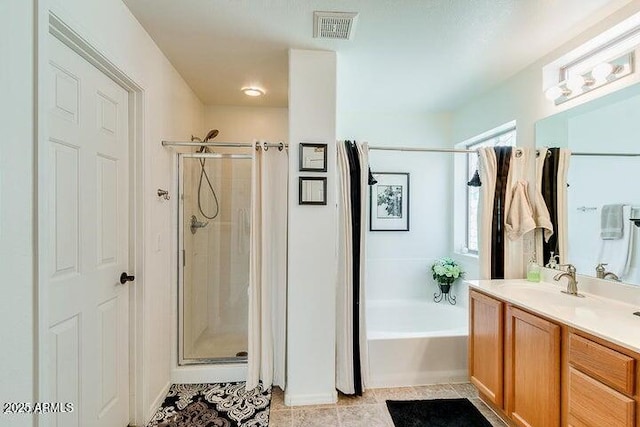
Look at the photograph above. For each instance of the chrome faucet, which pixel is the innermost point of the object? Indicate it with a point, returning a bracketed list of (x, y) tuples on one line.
[(601, 273), (572, 282)]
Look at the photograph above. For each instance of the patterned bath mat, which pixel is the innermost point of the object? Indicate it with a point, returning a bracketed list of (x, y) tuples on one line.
[(213, 405)]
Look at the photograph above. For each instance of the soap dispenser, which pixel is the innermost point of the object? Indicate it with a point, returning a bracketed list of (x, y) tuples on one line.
[(533, 270)]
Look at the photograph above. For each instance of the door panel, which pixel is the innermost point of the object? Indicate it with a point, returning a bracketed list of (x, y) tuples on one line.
[(66, 375), (64, 197), (88, 241), (532, 364)]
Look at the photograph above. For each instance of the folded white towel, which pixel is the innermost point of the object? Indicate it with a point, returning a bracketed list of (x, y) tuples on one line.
[(611, 224)]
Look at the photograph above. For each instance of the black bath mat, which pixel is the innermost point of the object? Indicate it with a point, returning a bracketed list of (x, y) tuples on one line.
[(214, 405), (436, 413)]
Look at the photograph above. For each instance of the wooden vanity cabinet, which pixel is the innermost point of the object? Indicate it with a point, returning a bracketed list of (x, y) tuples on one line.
[(538, 373), (486, 340)]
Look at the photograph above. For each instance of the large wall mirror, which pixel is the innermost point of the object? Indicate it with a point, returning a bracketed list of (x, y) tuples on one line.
[(604, 173)]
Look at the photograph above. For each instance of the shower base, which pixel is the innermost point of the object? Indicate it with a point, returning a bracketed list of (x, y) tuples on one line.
[(217, 346)]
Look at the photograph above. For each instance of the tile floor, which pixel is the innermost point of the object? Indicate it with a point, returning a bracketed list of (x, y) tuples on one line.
[(370, 409)]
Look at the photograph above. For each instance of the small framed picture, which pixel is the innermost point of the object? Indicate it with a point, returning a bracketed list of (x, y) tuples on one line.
[(312, 190), (313, 157), (389, 202)]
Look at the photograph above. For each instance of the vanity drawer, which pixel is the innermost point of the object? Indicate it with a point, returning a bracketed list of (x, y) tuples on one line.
[(615, 369), (592, 404)]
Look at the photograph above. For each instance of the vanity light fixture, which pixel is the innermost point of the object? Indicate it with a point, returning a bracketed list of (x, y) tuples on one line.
[(577, 83), (602, 74), (555, 92), (252, 91)]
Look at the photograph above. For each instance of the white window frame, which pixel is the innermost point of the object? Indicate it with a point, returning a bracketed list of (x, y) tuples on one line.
[(462, 190)]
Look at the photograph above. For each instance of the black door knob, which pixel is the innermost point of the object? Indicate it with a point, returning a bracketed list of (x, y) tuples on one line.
[(124, 278)]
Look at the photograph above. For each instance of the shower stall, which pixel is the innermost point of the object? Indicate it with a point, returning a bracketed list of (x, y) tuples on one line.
[(214, 230)]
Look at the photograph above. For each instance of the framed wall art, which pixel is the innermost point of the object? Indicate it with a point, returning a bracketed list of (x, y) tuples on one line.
[(313, 157), (312, 190), (389, 202)]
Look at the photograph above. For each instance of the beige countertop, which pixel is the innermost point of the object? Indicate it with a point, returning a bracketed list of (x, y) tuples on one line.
[(606, 318)]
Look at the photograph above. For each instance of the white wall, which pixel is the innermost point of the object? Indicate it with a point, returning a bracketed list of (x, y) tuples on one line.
[(171, 111), (521, 97), (16, 206), (244, 124), (312, 235), (398, 263)]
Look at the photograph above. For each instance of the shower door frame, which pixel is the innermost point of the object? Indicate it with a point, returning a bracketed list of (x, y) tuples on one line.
[(181, 260)]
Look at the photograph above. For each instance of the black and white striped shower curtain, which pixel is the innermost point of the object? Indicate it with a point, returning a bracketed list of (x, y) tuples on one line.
[(351, 340), (551, 176), (494, 165)]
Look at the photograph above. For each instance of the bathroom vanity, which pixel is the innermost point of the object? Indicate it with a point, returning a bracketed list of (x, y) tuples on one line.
[(542, 358)]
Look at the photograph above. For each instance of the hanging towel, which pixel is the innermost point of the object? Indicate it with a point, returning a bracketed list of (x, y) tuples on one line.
[(616, 253), (540, 210), (519, 219), (611, 224)]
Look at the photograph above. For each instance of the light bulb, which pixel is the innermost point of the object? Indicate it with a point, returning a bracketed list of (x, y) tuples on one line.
[(602, 71), (575, 83), (252, 91), (554, 92)]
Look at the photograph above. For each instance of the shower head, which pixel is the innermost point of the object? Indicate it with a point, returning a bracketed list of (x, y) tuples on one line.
[(212, 134)]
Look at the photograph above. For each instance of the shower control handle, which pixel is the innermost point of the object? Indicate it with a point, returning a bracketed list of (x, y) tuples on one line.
[(124, 278)]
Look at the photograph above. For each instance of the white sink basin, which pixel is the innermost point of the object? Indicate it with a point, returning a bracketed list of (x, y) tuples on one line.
[(551, 293)]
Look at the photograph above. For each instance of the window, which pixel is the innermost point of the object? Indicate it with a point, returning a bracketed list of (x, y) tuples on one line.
[(497, 137)]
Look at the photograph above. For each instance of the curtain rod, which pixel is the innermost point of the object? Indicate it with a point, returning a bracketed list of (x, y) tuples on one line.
[(608, 154), (518, 150), (266, 145), (433, 150)]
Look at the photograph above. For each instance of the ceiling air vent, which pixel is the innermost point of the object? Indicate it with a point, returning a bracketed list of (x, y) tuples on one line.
[(334, 25)]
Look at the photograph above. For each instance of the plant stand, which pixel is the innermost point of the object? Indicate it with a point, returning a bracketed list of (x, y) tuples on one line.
[(444, 294)]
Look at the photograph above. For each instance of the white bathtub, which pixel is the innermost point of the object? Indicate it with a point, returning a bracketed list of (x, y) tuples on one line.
[(416, 342)]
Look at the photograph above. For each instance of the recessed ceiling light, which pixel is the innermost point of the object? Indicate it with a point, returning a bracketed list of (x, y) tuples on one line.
[(252, 91)]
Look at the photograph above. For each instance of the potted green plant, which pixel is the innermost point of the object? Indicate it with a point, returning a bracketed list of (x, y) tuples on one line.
[(446, 271)]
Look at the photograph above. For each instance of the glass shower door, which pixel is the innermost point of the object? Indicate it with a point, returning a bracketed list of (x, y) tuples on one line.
[(214, 238)]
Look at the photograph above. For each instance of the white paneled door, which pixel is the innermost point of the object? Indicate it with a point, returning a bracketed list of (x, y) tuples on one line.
[(88, 243)]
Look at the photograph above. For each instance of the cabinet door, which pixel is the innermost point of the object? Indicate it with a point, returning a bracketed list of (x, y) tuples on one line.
[(532, 369), (486, 337)]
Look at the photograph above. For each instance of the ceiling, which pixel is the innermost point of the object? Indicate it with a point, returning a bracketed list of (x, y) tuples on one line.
[(406, 55)]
